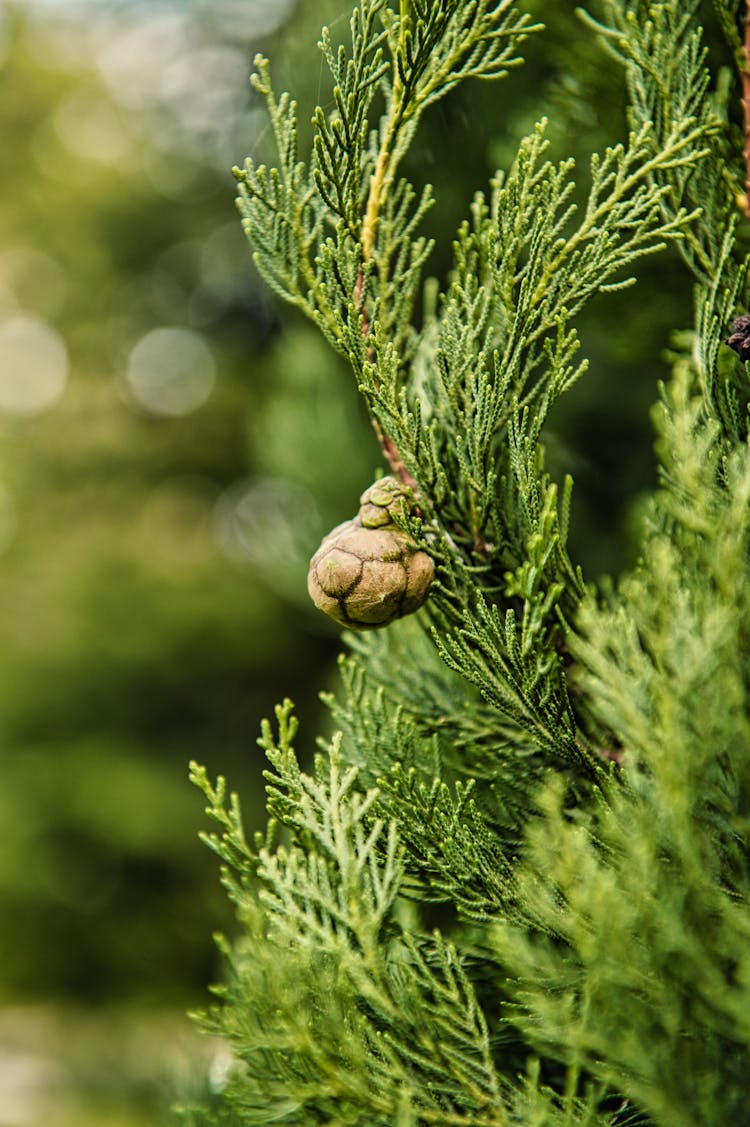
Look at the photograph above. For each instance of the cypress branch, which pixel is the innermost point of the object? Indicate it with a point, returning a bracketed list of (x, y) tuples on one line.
[(557, 775)]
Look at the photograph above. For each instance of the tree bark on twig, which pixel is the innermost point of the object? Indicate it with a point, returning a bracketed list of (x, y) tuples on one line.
[(745, 76)]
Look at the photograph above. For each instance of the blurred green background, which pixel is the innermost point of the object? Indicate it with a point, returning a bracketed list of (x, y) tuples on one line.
[(174, 444)]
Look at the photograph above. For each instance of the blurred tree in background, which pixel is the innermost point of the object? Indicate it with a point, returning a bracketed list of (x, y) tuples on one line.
[(140, 626), (173, 447)]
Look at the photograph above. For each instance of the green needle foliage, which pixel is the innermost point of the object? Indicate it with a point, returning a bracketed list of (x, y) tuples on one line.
[(513, 888)]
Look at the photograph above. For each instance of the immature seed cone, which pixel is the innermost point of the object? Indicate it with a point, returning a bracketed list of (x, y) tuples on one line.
[(739, 338), (367, 572)]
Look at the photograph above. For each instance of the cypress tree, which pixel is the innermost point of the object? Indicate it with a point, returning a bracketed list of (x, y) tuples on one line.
[(513, 886)]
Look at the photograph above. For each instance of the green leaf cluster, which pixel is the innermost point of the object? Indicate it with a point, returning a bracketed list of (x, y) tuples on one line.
[(514, 886)]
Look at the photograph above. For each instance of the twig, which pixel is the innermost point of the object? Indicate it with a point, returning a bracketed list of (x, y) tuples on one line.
[(387, 445), (381, 177), (745, 76)]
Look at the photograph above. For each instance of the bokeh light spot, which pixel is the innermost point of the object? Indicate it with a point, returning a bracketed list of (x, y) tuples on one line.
[(33, 366), (171, 371), (92, 129), (35, 281), (259, 521)]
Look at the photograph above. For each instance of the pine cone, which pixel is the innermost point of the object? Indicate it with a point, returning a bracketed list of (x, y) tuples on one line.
[(367, 572), (739, 339)]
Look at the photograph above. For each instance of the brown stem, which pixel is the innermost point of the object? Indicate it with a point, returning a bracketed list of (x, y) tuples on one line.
[(745, 76), (387, 445), (372, 213), (381, 176)]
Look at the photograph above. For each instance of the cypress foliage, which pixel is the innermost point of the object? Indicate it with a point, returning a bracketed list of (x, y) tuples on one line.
[(559, 776)]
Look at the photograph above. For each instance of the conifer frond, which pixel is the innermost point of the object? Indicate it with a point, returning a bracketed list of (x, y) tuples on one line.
[(230, 845), (722, 377), (727, 16), (525, 687), (438, 45), (456, 856), (562, 779), (342, 137), (344, 204), (369, 1023), (504, 338), (661, 49), (397, 675), (504, 347), (652, 902), (454, 780)]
